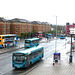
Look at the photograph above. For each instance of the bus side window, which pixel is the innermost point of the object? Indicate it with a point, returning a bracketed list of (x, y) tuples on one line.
[(0, 40), (0, 36), (30, 56)]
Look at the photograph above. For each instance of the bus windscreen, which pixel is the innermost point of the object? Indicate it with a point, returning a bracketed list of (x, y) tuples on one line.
[(27, 41), (18, 58)]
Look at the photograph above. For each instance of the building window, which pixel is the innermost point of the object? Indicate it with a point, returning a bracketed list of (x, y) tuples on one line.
[(16, 27), (22, 27), (26, 30), (22, 31), (8, 31), (16, 22), (34, 27), (4, 26), (15, 31), (4, 31), (26, 26), (8, 27)]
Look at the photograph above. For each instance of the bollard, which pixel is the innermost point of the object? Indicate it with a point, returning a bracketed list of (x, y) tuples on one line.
[(69, 59), (53, 63)]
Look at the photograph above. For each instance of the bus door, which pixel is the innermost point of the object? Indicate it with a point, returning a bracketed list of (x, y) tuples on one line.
[(27, 43), (27, 60), (33, 43), (0, 41)]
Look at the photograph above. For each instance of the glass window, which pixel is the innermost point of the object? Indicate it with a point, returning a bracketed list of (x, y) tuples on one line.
[(0, 40), (8, 27), (0, 36), (27, 41), (15, 31), (16, 22), (16, 27)]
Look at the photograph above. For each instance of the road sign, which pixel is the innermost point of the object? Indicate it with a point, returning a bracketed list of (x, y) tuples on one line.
[(57, 56), (71, 30)]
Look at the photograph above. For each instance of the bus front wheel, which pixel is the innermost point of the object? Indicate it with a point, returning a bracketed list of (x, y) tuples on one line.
[(30, 63)]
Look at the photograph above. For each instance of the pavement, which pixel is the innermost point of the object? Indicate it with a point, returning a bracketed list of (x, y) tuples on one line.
[(62, 67), (20, 45)]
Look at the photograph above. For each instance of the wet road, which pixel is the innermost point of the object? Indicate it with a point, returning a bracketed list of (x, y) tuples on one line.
[(49, 48)]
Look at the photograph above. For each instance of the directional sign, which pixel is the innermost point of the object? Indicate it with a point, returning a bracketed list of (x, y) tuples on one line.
[(71, 30)]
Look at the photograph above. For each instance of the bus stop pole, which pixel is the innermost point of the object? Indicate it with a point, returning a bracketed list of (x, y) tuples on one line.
[(71, 50)]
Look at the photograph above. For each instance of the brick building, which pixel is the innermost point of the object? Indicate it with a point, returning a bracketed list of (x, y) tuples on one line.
[(4, 26), (41, 26), (18, 26)]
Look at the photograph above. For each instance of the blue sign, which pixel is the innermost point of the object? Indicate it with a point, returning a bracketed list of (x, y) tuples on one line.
[(57, 56)]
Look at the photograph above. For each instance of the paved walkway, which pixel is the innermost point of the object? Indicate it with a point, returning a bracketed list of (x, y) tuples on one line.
[(60, 68)]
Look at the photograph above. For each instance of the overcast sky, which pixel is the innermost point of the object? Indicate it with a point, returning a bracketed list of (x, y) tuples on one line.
[(39, 10)]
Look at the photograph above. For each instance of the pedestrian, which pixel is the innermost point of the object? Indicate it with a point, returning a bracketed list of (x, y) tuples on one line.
[(47, 38), (7, 44)]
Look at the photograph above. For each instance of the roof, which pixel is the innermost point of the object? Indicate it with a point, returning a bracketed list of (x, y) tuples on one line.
[(19, 20), (9, 35), (2, 19), (33, 39), (46, 23), (49, 33), (36, 22), (29, 50)]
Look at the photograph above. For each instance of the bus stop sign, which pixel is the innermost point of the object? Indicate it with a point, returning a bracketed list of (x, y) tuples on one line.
[(57, 56)]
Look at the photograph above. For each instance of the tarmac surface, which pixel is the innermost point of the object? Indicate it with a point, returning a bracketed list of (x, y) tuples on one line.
[(62, 67)]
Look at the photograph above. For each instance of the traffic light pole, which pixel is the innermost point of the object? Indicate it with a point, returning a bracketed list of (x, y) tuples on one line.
[(71, 50)]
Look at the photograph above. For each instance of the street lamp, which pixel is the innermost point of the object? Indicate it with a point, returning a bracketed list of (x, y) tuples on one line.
[(56, 35)]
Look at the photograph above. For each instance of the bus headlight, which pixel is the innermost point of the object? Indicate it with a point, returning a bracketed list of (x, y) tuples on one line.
[(25, 58)]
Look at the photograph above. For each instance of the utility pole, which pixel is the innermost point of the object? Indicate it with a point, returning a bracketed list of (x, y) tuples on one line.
[(56, 35), (71, 50), (71, 32)]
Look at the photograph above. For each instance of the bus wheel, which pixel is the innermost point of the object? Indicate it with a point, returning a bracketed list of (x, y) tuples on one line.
[(2, 46), (40, 58), (30, 63)]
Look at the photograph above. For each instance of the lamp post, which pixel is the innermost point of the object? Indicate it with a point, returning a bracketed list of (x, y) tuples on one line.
[(56, 35), (71, 50)]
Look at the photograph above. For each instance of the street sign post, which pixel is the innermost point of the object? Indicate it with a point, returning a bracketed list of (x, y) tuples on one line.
[(57, 57), (71, 32)]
